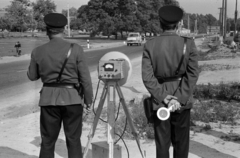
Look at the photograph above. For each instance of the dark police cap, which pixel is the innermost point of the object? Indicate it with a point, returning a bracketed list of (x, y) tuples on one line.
[(170, 14), (55, 20)]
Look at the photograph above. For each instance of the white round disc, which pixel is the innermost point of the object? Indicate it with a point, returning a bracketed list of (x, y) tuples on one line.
[(161, 111)]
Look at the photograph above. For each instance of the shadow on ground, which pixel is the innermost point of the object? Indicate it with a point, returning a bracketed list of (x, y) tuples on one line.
[(6, 152), (60, 148), (230, 137), (202, 150)]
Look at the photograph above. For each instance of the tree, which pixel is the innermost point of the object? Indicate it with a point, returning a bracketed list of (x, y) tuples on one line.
[(210, 20), (114, 16), (42, 8), (171, 2), (3, 23), (82, 16), (128, 16), (202, 21), (73, 12), (73, 17), (17, 13)]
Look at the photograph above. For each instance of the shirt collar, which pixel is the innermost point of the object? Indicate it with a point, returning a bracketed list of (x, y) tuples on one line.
[(57, 39)]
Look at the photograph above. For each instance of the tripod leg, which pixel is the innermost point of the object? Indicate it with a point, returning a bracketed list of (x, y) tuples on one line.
[(95, 121), (134, 132)]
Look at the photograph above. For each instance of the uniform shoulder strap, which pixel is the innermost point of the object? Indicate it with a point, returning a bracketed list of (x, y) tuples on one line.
[(65, 62), (184, 52)]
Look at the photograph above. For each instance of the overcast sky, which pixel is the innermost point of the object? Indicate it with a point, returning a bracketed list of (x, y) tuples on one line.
[(190, 6)]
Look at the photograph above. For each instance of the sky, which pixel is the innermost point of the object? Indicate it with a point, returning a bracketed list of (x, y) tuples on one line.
[(190, 6)]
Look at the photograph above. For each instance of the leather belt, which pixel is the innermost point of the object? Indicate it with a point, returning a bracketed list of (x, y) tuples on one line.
[(60, 85), (169, 79)]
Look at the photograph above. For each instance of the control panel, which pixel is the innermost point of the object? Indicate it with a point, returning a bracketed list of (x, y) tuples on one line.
[(111, 69)]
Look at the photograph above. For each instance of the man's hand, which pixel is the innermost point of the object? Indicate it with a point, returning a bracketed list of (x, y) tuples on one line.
[(169, 98), (86, 111), (175, 105), (87, 108)]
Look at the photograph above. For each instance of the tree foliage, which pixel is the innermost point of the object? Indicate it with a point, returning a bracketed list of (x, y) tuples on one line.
[(113, 16), (72, 12), (17, 14), (109, 17), (22, 14), (42, 8), (202, 22)]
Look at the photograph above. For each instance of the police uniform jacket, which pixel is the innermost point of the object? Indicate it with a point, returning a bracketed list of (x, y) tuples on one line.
[(161, 57), (46, 63)]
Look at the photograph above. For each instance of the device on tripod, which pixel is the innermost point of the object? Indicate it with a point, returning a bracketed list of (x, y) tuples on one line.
[(114, 70)]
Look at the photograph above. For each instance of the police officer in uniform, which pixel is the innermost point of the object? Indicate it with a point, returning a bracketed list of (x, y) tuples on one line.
[(60, 101), (168, 85)]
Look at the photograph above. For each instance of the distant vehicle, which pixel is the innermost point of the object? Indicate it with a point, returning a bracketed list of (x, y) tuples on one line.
[(134, 38)]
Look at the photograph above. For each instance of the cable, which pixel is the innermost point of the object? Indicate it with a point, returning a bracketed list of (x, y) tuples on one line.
[(94, 105), (123, 143), (125, 127), (118, 111)]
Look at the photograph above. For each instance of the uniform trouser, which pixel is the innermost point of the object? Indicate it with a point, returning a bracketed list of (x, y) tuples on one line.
[(175, 130), (51, 118)]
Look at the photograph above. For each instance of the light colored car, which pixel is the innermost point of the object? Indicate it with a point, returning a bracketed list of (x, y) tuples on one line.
[(134, 38)]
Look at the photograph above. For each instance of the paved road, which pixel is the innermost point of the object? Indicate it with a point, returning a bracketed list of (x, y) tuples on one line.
[(14, 73)]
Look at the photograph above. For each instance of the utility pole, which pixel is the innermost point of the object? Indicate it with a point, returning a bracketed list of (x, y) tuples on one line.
[(223, 15), (225, 19), (32, 23), (68, 22), (188, 23), (235, 21), (195, 27), (220, 20), (220, 15)]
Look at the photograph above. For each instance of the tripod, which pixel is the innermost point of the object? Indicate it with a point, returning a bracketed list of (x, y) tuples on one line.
[(111, 85)]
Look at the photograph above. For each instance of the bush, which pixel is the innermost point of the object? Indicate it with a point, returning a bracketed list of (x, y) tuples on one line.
[(214, 67), (214, 111), (144, 129), (219, 103), (202, 111), (220, 91)]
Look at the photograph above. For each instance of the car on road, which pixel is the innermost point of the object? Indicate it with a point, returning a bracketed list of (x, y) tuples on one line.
[(134, 38)]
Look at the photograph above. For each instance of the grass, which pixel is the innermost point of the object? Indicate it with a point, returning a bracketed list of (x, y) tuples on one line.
[(226, 92), (213, 103), (215, 67), (218, 102), (216, 111)]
